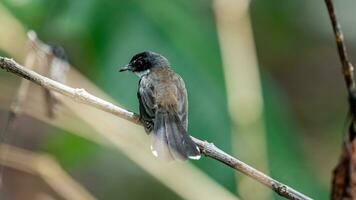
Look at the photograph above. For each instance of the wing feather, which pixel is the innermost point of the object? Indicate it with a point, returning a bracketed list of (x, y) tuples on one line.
[(165, 107)]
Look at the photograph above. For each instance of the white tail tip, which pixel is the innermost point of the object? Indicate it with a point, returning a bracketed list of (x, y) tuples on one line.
[(195, 157), (154, 152)]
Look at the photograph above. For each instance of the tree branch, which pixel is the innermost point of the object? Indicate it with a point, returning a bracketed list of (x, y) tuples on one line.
[(343, 179), (347, 67), (208, 149)]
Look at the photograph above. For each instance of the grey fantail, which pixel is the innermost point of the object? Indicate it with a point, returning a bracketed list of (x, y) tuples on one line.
[(163, 106)]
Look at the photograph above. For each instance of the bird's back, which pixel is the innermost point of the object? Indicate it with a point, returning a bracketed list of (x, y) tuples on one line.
[(164, 98), (169, 92)]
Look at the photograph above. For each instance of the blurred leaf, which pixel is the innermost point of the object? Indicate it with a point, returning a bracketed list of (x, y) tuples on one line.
[(72, 151), (33, 13), (101, 35), (285, 160)]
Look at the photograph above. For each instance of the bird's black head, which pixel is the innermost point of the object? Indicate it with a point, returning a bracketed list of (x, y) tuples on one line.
[(144, 61)]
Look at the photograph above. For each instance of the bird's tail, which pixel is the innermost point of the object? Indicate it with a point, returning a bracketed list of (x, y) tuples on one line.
[(170, 139)]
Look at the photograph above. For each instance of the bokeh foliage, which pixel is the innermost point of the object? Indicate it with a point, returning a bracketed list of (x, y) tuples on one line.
[(101, 35)]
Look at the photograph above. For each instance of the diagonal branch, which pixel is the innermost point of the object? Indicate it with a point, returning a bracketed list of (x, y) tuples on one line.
[(208, 149)]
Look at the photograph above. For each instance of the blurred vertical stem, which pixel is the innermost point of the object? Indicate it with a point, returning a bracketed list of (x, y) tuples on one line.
[(243, 90), (10, 41)]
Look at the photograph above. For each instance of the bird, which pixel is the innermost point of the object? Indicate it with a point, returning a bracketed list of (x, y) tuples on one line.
[(163, 106)]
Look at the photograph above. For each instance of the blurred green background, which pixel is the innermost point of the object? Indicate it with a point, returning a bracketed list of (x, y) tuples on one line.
[(303, 91)]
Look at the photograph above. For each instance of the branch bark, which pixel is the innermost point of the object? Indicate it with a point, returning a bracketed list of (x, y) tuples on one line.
[(344, 174), (347, 67), (208, 149)]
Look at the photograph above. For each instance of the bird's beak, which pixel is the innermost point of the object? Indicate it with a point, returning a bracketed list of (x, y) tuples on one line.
[(125, 68)]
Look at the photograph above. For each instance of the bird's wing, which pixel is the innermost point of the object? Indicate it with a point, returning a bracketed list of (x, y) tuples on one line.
[(165, 104), (171, 118), (182, 101), (145, 94), (146, 100)]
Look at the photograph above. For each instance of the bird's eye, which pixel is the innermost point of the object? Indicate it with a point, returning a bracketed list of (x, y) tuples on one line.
[(139, 62)]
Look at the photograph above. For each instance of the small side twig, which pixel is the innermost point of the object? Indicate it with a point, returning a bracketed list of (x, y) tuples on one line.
[(208, 149)]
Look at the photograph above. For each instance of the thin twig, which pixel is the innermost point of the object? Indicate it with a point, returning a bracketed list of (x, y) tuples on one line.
[(344, 172), (208, 149), (347, 67)]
